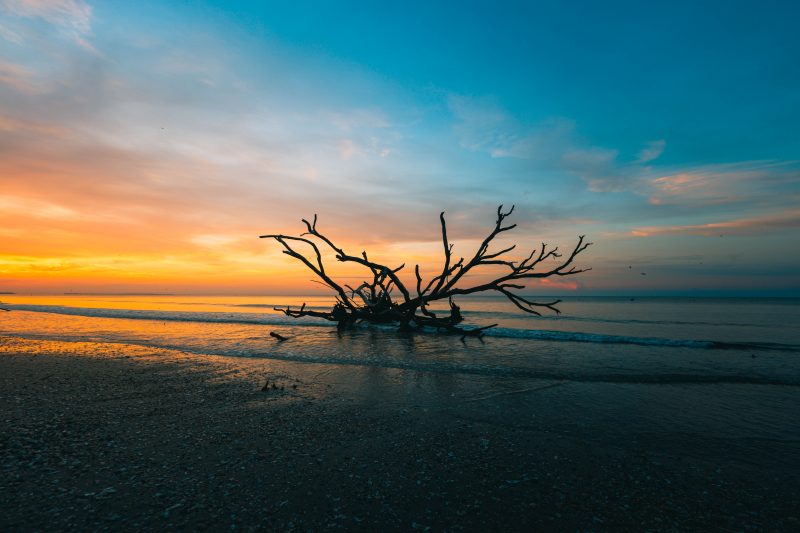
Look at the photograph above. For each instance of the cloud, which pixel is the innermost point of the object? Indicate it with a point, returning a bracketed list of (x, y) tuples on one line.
[(651, 151), (73, 17), (746, 226), (29, 207), (559, 284), (768, 182), (552, 145), (10, 124), (214, 241), (705, 194), (347, 148), (18, 77), (596, 166), (482, 125), (22, 207), (73, 14), (10, 35)]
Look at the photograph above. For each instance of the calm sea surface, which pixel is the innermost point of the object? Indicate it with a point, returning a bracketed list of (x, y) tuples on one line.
[(641, 340)]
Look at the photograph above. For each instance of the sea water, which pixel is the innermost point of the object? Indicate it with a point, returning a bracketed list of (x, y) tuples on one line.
[(594, 339)]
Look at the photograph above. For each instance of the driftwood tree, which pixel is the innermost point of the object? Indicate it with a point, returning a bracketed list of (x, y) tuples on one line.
[(386, 299)]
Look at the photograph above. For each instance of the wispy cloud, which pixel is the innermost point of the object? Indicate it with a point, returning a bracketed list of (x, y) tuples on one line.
[(10, 124), (482, 125), (751, 181), (651, 151), (745, 226), (28, 207), (550, 145), (31, 207), (19, 78), (74, 17), (75, 14)]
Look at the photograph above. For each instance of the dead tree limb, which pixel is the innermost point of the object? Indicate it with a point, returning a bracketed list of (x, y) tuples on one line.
[(377, 301)]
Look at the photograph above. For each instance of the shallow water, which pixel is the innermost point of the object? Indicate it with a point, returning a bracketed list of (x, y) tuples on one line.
[(644, 340)]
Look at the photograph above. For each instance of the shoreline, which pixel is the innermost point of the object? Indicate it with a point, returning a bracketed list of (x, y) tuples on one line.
[(110, 436)]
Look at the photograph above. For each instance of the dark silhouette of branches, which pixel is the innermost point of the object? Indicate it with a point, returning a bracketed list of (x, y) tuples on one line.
[(386, 299)]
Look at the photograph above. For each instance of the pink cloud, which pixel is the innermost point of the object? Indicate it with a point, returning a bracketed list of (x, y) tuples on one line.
[(12, 124), (18, 77), (745, 226), (559, 284), (719, 184)]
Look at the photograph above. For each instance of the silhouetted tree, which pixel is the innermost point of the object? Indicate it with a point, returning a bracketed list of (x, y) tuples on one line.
[(385, 298)]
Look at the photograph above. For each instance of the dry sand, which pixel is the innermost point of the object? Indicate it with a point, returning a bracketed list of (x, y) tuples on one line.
[(98, 436)]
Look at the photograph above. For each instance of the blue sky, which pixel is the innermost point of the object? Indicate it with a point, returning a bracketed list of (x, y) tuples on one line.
[(666, 131)]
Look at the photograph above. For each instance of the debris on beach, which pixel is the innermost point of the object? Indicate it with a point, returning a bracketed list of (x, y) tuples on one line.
[(280, 383)]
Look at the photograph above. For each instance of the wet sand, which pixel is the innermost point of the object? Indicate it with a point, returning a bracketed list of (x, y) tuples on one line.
[(98, 436)]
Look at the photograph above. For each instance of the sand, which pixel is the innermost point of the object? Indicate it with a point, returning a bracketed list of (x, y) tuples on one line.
[(97, 436)]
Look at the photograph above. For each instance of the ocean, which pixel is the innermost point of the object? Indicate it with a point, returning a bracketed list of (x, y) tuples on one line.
[(655, 340)]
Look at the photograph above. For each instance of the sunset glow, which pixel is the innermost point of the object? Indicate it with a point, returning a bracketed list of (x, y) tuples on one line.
[(145, 146)]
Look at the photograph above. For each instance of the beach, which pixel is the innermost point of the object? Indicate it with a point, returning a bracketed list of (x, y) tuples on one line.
[(112, 436)]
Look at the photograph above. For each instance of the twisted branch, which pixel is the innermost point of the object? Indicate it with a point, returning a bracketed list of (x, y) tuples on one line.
[(373, 301)]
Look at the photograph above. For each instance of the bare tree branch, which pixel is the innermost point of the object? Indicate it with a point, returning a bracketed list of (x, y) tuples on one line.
[(373, 301)]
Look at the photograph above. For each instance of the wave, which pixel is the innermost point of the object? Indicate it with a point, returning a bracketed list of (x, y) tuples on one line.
[(572, 336), (519, 372), (172, 316), (573, 318), (460, 367), (275, 319)]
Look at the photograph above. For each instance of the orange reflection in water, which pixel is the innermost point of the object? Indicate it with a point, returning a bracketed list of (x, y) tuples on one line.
[(167, 302)]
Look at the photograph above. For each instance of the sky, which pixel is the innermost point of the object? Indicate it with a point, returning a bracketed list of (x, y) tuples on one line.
[(144, 146)]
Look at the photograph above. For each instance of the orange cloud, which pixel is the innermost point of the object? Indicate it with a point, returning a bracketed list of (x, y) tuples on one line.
[(559, 284), (721, 184), (18, 77), (747, 226), (10, 124)]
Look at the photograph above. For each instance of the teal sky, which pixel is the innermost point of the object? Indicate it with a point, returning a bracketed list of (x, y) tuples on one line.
[(665, 131)]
